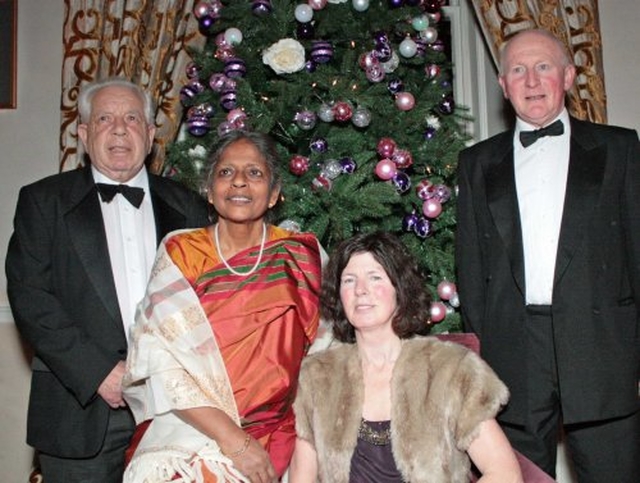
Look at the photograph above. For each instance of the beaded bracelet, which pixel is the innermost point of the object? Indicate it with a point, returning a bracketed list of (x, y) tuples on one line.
[(244, 448)]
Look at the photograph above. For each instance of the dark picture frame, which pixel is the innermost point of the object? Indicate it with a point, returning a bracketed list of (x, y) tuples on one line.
[(8, 53)]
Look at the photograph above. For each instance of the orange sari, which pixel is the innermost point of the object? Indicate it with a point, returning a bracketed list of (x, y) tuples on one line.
[(263, 323)]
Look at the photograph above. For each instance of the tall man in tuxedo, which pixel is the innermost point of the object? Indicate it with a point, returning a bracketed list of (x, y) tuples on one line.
[(548, 258), (77, 265)]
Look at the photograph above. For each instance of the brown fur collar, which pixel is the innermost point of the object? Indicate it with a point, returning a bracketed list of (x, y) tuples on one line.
[(440, 392)]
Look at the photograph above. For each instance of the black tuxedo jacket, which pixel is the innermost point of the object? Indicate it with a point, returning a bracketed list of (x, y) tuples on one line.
[(63, 298), (596, 293)]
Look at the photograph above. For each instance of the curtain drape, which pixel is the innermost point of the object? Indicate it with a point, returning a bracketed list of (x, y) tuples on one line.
[(143, 40), (576, 22)]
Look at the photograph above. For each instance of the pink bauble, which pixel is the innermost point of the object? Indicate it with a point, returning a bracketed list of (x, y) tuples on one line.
[(424, 189), (201, 9), (431, 208), (367, 60), (403, 158), (299, 164), (446, 290), (438, 312), (221, 40), (405, 101), (386, 147), (342, 111), (386, 169), (236, 115), (317, 4)]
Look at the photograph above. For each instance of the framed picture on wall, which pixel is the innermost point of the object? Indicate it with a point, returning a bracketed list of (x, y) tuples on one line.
[(8, 53)]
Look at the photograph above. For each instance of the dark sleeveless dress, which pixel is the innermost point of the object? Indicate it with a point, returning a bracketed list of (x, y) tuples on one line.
[(372, 460)]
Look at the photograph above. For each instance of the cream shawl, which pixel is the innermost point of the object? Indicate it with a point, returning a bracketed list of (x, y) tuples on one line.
[(174, 363)]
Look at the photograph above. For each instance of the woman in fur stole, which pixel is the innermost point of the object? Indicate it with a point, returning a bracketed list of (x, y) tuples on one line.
[(386, 404)]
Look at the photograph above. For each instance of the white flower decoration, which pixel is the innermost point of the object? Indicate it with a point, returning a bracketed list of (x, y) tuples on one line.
[(198, 151), (285, 56), (337, 1), (433, 122)]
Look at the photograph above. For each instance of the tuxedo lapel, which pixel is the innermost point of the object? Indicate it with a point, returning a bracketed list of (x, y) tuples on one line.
[(167, 218), (84, 220), (503, 205), (584, 182)]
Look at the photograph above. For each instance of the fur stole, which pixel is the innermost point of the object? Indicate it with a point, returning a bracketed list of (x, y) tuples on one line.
[(440, 393)]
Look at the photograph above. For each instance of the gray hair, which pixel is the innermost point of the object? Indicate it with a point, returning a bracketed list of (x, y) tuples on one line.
[(562, 48), (89, 91)]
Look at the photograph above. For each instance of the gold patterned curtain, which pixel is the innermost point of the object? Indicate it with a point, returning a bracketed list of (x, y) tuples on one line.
[(576, 22), (143, 40)]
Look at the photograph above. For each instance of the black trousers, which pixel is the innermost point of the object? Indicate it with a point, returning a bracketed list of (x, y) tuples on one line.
[(601, 451), (106, 467)]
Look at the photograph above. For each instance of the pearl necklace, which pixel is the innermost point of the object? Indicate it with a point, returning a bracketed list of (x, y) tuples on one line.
[(226, 264)]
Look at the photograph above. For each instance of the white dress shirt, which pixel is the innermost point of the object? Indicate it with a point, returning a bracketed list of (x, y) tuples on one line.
[(541, 178), (131, 238)]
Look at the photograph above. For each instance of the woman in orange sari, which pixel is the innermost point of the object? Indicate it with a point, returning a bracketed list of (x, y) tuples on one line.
[(230, 312)]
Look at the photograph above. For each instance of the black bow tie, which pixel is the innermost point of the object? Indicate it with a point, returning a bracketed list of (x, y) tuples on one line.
[(108, 191), (527, 138)]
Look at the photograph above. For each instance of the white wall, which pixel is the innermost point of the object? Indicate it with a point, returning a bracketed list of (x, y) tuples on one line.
[(29, 147), (29, 150)]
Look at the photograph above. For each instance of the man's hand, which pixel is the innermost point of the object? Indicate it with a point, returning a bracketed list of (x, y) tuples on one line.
[(111, 388)]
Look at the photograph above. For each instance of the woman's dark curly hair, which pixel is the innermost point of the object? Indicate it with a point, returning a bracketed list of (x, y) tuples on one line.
[(412, 316)]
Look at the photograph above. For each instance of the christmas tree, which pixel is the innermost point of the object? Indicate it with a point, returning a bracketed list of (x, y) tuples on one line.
[(358, 96)]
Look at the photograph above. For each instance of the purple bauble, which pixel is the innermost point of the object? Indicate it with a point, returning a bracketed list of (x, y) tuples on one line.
[(261, 7), (437, 46), (321, 51), (422, 227), (380, 37), (235, 68), (446, 105), (190, 90), (348, 165), (375, 73), (198, 125), (218, 82), (395, 3), (305, 31), (319, 145), (229, 100), (429, 133), (442, 193), (383, 51), (310, 66), (192, 70), (305, 120), (395, 85), (409, 221), (205, 25), (401, 181)]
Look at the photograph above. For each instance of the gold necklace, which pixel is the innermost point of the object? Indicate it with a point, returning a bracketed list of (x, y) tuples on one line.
[(226, 264)]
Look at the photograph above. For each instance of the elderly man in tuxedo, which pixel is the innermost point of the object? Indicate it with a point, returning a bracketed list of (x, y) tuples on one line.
[(548, 259), (77, 265)]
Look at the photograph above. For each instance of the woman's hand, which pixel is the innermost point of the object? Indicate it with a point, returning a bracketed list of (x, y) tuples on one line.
[(247, 454), (253, 462)]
